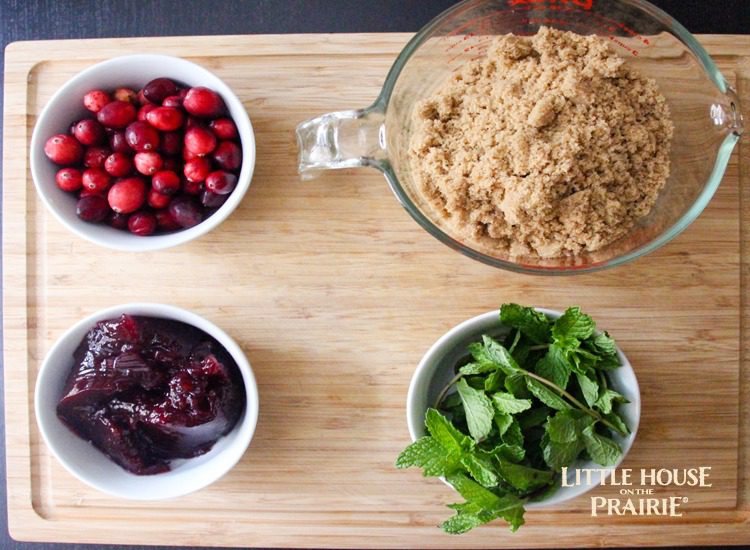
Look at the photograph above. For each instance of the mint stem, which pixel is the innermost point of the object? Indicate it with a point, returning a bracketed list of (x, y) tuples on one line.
[(444, 391), (539, 347)]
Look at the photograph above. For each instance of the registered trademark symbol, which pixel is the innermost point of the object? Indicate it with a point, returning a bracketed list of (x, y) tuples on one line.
[(684, 499)]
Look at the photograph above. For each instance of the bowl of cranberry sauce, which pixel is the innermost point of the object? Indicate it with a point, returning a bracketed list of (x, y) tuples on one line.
[(146, 401), (142, 152)]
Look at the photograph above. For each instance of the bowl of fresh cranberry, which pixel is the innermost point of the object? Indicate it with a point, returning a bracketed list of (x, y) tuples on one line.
[(143, 152), (146, 401)]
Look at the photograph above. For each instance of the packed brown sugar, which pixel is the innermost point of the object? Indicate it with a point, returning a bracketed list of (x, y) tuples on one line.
[(550, 146)]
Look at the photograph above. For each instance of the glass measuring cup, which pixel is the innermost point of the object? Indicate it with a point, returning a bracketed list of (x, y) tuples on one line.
[(704, 109)]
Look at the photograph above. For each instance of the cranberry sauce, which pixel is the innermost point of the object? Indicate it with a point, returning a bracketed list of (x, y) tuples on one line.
[(146, 390)]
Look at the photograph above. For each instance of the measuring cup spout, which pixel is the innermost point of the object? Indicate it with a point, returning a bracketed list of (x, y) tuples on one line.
[(727, 113), (343, 139)]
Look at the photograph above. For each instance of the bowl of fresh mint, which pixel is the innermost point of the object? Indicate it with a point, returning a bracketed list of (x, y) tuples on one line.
[(503, 407)]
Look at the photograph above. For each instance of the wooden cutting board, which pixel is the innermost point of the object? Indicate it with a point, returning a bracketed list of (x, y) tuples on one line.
[(335, 293)]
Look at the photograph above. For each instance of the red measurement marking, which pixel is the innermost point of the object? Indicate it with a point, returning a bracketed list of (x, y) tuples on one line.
[(585, 4)]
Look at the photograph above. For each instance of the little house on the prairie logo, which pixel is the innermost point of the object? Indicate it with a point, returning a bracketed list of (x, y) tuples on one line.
[(585, 4), (641, 500)]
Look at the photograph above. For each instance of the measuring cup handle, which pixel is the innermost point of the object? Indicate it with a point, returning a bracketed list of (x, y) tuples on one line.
[(343, 139)]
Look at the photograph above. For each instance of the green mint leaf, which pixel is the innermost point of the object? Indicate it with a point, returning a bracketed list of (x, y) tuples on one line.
[(507, 403), (589, 389), (533, 324), (608, 397), (516, 384), (503, 421), (513, 435), (512, 453), (546, 395), (446, 434), (617, 421), (608, 363), (451, 401), (479, 354), (481, 468), (557, 455), (483, 505), (514, 517), (477, 368), (474, 494), (522, 477), (499, 355), (554, 366), (516, 339), (602, 450), (573, 325), (603, 344), (534, 417), (478, 408), (563, 427), (461, 523), (429, 455), (494, 381)]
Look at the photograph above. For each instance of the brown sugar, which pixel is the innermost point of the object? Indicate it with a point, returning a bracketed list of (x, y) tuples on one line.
[(549, 146)]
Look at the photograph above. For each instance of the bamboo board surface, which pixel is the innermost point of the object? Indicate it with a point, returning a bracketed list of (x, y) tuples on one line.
[(335, 293)]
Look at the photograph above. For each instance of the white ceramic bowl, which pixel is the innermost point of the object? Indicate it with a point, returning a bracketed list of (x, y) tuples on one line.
[(134, 71), (90, 465), (435, 370)]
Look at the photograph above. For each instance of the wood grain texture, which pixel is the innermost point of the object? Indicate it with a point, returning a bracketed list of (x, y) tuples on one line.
[(335, 293)]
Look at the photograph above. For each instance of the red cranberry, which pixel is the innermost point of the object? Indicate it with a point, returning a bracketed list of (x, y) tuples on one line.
[(185, 212), (197, 169), (89, 132), (95, 100), (166, 119), (156, 200), (96, 180), (69, 179), (63, 149), (187, 155), (221, 182), (165, 221), (228, 156), (118, 165), (141, 136), (159, 88), (126, 94), (224, 128), (117, 220), (127, 195), (172, 101), (92, 208), (212, 200), (171, 143), (147, 162), (199, 140), (118, 143), (202, 102), (193, 187), (142, 98), (142, 224), (94, 157), (116, 114), (166, 182), (145, 110)]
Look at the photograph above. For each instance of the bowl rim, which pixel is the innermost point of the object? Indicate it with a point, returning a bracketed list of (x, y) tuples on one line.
[(244, 429), (416, 427), (133, 243)]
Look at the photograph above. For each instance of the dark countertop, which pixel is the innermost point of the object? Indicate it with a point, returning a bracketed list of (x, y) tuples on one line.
[(50, 19)]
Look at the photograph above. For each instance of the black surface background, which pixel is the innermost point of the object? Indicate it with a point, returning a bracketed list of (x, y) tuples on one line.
[(40, 19)]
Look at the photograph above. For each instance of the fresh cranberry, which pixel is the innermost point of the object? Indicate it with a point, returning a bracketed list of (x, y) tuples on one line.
[(212, 200), (127, 195), (89, 132), (94, 157), (193, 187), (159, 88), (141, 136), (118, 143), (171, 143), (185, 212), (117, 220), (145, 110), (63, 149), (172, 101), (117, 114), (142, 98), (228, 156), (166, 119), (197, 169), (199, 140), (187, 155), (221, 182), (69, 179), (202, 102), (96, 180), (118, 165), (166, 182), (224, 128), (126, 94), (165, 221), (147, 162), (156, 200), (95, 100), (92, 208), (142, 224)]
